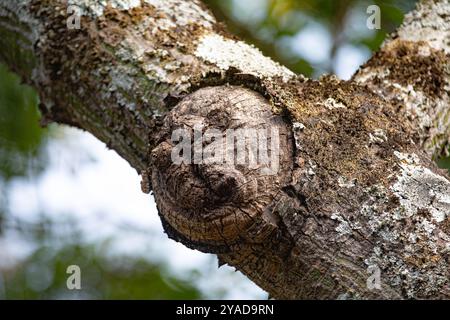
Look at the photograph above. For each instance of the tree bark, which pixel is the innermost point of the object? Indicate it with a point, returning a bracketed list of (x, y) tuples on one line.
[(356, 189)]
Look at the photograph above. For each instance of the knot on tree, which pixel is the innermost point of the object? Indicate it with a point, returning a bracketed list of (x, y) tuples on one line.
[(222, 157)]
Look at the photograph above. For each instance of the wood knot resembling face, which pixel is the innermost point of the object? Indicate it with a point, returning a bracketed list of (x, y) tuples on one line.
[(222, 157)]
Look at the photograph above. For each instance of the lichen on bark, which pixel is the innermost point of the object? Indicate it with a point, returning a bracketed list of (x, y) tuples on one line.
[(357, 187), (412, 70)]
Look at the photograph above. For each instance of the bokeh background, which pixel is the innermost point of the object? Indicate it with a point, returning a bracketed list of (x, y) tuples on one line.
[(67, 200)]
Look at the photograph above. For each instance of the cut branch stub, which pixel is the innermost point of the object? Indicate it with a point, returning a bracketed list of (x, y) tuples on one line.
[(220, 195)]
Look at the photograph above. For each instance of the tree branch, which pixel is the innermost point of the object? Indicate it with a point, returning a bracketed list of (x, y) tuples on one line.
[(412, 71), (355, 190)]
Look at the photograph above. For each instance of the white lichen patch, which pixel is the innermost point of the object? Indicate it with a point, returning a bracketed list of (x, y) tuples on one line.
[(343, 182), (419, 232), (184, 12), (377, 136), (311, 172), (389, 235), (416, 103), (95, 8), (343, 227), (331, 104), (298, 128), (399, 274), (226, 53), (311, 169), (177, 12), (368, 74), (121, 83), (418, 188)]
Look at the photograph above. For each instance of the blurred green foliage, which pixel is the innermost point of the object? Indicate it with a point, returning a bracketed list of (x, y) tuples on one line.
[(269, 25), (444, 163), (44, 274), (21, 137)]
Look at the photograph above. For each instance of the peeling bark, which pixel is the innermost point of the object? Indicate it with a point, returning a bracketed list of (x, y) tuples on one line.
[(356, 189)]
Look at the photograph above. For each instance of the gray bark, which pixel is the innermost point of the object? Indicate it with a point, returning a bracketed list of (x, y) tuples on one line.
[(357, 190)]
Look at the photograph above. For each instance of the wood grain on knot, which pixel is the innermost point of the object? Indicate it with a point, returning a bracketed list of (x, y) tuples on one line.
[(212, 204)]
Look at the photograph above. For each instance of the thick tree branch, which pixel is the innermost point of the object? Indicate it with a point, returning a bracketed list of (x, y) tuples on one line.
[(355, 189), (412, 71)]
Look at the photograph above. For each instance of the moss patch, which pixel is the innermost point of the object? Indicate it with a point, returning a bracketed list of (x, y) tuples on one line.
[(413, 63)]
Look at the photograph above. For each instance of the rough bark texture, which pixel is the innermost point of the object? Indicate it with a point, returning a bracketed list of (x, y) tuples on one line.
[(412, 72), (357, 188)]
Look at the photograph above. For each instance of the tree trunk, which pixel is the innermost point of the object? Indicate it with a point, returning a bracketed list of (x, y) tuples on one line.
[(356, 194)]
